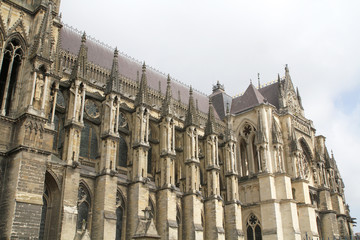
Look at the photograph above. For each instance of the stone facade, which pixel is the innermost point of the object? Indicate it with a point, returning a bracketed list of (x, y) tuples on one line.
[(97, 146)]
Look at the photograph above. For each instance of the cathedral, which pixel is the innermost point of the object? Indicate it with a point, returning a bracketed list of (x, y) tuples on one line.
[(96, 145)]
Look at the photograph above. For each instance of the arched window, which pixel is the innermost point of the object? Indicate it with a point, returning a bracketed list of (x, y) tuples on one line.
[(243, 158), (84, 204), (11, 62), (256, 157), (120, 210), (89, 142), (304, 161), (43, 214), (51, 209), (123, 151), (253, 228), (149, 159)]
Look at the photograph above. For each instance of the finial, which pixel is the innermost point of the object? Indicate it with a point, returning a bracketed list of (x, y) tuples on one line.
[(144, 67), (286, 68), (332, 154), (168, 78), (116, 53), (191, 90), (258, 80), (278, 77), (83, 38), (250, 81)]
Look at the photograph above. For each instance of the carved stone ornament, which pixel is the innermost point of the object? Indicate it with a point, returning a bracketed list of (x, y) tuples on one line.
[(292, 103), (91, 109), (122, 121)]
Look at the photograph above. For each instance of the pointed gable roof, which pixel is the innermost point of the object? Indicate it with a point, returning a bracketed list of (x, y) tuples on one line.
[(251, 98)]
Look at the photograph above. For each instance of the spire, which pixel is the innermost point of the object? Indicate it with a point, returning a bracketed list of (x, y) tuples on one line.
[(166, 108), (79, 70), (279, 78), (210, 125), (43, 39), (113, 84), (276, 133), (142, 95), (260, 134), (191, 116), (259, 85), (288, 82)]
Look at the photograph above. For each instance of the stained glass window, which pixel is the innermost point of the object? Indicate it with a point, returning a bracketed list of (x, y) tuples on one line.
[(123, 151)]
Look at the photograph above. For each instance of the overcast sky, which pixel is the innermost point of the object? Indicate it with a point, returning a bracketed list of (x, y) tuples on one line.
[(200, 42)]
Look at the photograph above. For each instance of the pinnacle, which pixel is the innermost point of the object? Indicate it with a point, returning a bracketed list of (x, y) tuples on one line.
[(191, 116), (144, 67), (116, 52), (210, 128), (83, 38)]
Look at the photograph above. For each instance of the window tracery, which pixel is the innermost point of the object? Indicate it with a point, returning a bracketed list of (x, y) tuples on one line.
[(123, 121), (253, 228), (120, 210), (89, 142), (11, 62), (84, 204)]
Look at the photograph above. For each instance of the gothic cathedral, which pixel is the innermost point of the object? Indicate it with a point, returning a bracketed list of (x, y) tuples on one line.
[(95, 145)]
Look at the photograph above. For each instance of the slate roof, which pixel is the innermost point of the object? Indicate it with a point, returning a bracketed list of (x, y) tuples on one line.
[(251, 98), (219, 100), (103, 56), (271, 93)]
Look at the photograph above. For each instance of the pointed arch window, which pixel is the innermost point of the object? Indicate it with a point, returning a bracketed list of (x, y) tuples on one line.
[(51, 208), (123, 152), (89, 142), (253, 228), (256, 156), (84, 204), (149, 160), (120, 213), (243, 158), (11, 62), (43, 214)]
